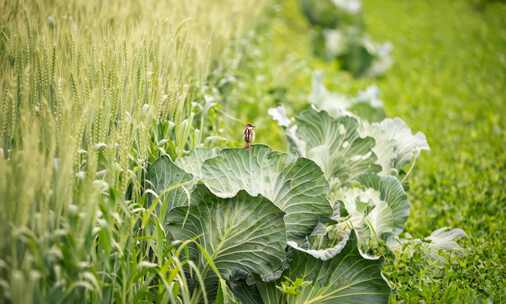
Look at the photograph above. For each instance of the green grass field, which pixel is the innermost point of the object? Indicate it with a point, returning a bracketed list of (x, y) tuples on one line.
[(83, 114), (449, 80)]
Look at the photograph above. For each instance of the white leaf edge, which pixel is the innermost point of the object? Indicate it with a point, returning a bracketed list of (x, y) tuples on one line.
[(396, 145), (327, 253), (349, 6), (442, 239), (338, 105)]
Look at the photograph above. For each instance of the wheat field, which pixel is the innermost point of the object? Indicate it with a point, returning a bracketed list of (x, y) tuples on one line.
[(85, 85)]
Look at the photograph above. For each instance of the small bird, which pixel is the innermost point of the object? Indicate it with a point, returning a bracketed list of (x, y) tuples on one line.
[(249, 135)]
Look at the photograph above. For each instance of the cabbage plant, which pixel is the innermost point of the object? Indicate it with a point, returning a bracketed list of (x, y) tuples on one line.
[(331, 13), (310, 225), (338, 33), (263, 217), (355, 51)]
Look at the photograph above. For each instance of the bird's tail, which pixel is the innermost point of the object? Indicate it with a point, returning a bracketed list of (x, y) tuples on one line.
[(247, 146)]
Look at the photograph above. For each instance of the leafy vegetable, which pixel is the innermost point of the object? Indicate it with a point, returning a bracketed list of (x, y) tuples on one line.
[(446, 238), (325, 14), (297, 187), (246, 294), (365, 104), (336, 146), (325, 242), (192, 163), (442, 239), (395, 145), (377, 211), (321, 216), (338, 33), (346, 278), (169, 182), (243, 235), (390, 191)]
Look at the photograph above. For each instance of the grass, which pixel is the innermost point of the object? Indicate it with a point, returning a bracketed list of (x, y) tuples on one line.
[(449, 81)]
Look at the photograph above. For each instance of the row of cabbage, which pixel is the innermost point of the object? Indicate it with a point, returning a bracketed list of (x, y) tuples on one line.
[(309, 225), (312, 224), (338, 33)]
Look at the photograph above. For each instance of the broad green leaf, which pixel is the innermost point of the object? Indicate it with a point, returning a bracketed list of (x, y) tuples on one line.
[(192, 163), (243, 234), (377, 212), (169, 182), (173, 182), (396, 145), (246, 294), (391, 192), (269, 293), (336, 146), (296, 146), (297, 187), (346, 278)]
